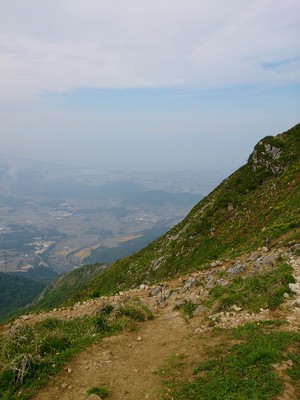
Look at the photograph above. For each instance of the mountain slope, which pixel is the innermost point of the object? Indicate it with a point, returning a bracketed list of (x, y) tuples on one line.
[(260, 200), (66, 286), (16, 292)]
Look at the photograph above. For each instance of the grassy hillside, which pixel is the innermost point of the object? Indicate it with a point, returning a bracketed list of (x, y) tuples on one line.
[(16, 292), (66, 287), (260, 200)]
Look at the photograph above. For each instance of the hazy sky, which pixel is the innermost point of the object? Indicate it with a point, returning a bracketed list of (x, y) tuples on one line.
[(140, 84)]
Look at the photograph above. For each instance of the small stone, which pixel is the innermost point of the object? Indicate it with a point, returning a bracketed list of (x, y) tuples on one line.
[(296, 303), (70, 387), (142, 286), (192, 282), (180, 304), (222, 282), (64, 385), (156, 290), (216, 263), (236, 269), (286, 295), (139, 338), (107, 355), (200, 309), (236, 308), (24, 317), (93, 396), (69, 371), (161, 300)]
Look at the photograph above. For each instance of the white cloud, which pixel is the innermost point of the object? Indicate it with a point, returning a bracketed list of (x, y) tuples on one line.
[(68, 44)]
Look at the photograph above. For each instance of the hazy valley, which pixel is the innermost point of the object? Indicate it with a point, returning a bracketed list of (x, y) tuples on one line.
[(60, 218)]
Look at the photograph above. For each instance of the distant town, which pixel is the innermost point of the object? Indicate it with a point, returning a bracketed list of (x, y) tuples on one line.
[(65, 220)]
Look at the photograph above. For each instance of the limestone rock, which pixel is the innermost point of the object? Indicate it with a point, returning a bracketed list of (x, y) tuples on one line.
[(192, 282), (200, 309), (24, 317), (235, 308), (236, 269), (156, 290), (222, 282)]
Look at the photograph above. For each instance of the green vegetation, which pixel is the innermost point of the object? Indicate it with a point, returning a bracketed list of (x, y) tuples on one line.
[(32, 353), (16, 292), (66, 287), (99, 391), (259, 291), (189, 308), (245, 370)]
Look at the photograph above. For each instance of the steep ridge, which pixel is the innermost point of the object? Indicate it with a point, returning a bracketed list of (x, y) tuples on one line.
[(226, 309), (258, 204)]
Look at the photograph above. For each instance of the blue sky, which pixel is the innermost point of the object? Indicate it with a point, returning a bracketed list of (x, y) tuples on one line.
[(167, 84)]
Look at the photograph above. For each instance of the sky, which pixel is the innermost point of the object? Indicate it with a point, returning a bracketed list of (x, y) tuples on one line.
[(147, 85)]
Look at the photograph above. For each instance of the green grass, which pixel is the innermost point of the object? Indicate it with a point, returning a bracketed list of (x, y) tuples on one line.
[(188, 308), (99, 391), (245, 370), (260, 291), (30, 354)]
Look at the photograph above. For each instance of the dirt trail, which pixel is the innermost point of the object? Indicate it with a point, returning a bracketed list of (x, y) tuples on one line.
[(126, 366), (123, 364)]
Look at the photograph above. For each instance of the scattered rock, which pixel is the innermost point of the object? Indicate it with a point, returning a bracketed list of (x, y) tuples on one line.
[(222, 282), (192, 282), (286, 295), (216, 263), (64, 385), (209, 282), (296, 304), (236, 269), (180, 304), (156, 290), (139, 338), (69, 370), (295, 287), (161, 301), (200, 309)]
